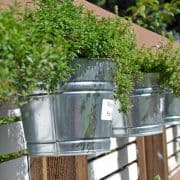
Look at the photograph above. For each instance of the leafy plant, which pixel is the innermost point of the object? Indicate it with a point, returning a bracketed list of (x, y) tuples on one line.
[(153, 14), (56, 33), (157, 177), (166, 61), (10, 35), (41, 47)]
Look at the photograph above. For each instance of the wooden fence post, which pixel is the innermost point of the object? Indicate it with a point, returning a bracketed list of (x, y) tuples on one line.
[(154, 157), (59, 168), (141, 158)]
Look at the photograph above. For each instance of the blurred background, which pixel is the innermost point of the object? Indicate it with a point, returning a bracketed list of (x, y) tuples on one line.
[(160, 16)]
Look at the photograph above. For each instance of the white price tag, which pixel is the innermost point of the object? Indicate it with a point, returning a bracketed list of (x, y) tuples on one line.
[(107, 109), (161, 108)]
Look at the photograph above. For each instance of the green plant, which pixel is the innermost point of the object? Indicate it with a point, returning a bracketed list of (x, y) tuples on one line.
[(154, 14), (80, 34), (29, 54), (10, 35), (50, 37), (164, 60), (157, 177)]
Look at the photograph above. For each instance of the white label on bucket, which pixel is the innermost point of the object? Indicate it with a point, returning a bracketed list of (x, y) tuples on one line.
[(161, 105), (107, 109)]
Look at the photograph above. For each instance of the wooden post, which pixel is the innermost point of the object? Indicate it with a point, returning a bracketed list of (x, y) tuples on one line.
[(59, 168), (141, 157), (176, 176), (37, 169), (152, 157)]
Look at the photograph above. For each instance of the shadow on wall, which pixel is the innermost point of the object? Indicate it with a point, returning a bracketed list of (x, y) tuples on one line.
[(126, 160), (16, 169), (119, 164)]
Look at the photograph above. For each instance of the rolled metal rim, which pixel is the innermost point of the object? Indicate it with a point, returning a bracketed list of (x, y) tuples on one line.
[(172, 109), (139, 131), (149, 84), (81, 86), (120, 132), (145, 130), (60, 148), (172, 120)]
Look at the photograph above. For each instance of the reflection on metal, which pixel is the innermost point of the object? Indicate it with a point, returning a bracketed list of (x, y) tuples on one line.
[(39, 125), (146, 115), (69, 122), (12, 138), (172, 109), (16, 169)]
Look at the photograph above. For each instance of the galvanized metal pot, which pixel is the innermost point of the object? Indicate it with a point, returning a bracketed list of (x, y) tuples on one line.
[(39, 125), (172, 109), (76, 119), (146, 115)]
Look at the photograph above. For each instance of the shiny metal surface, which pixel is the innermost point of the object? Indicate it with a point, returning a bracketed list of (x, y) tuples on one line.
[(147, 110), (78, 115), (146, 130), (69, 122), (78, 118), (172, 109), (38, 121), (16, 169), (84, 146), (43, 149), (148, 84), (146, 115), (12, 138)]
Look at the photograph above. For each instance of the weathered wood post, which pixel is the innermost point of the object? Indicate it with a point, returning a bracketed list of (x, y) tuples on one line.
[(64, 168), (152, 157)]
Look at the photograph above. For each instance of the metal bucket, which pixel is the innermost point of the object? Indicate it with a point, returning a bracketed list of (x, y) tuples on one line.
[(39, 125), (146, 115), (172, 109), (74, 120)]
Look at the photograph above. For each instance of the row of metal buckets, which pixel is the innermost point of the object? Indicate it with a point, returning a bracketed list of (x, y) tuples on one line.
[(78, 128), (82, 115)]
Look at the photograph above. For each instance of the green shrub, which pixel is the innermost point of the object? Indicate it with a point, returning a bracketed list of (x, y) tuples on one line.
[(41, 47), (153, 14)]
